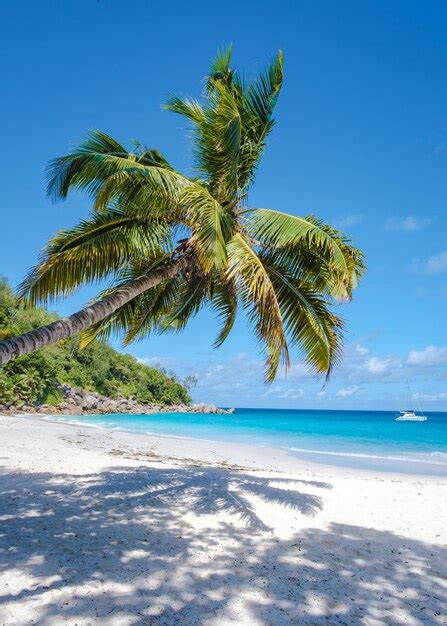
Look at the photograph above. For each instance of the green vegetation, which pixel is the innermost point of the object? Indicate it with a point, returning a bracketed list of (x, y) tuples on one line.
[(34, 378), (170, 244)]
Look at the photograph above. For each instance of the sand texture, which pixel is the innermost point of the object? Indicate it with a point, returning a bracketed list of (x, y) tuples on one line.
[(108, 527)]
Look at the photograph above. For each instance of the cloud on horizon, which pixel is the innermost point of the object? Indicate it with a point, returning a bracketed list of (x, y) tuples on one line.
[(283, 393), (431, 355), (362, 380), (347, 392)]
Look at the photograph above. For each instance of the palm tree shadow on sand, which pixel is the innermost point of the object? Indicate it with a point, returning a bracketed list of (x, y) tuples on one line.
[(210, 490), (124, 547)]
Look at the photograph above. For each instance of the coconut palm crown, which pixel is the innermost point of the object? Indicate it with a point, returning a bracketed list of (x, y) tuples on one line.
[(170, 244)]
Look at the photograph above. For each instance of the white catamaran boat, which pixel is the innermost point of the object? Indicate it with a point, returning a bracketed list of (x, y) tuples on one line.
[(410, 415)]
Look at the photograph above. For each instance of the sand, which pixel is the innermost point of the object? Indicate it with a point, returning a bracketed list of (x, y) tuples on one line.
[(107, 527)]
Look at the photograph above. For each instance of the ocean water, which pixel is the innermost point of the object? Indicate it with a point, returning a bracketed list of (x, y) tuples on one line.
[(365, 439)]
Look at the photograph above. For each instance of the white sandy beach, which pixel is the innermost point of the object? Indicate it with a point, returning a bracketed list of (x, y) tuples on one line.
[(108, 527)]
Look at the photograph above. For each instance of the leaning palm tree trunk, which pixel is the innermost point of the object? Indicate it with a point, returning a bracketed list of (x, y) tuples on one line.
[(86, 317)]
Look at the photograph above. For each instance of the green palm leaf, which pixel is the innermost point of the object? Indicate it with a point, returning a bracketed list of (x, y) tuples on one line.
[(189, 107), (260, 298), (191, 297), (309, 323), (89, 252), (144, 190), (220, 70), (93, 162), (262, 94), (138, 317), (212, 226), (281, 230), (224, 300)]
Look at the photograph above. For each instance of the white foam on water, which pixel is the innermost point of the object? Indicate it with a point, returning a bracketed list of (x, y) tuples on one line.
[(360, 455)]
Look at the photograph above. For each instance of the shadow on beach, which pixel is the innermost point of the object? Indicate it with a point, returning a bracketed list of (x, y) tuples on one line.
[(125, 547)]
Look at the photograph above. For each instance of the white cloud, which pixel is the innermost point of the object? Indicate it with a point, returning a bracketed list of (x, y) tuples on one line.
[(296, 371), (431, 355), (361, 349), (273, 391), (159, 361), (378, 367), (290, 393), (437, 264), (236, 373), (431, 397), (347, 392), (293, 394), (359, 365), (408, 224), (346, 221)]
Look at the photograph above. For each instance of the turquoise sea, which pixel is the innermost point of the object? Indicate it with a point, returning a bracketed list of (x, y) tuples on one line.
[(366, 439)]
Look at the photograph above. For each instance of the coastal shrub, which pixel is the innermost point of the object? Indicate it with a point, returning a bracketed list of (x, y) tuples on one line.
[(34, 378), (6, 388)]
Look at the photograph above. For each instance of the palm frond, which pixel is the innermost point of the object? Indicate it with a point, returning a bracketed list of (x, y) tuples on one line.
[(309, 323), (280, 230), (89, 252), (212, 227), (217, 143), (151, 156), (315, 265), (220, 70), (129, 319), (262, 94), (257, 106), (188, 107), (224, 301), (190, 298), (152, 310), (97, 158), (149, 191), (232, 125), (259, 295)]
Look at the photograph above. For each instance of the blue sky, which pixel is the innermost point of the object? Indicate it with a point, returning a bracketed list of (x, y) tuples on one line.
[(360, 140)]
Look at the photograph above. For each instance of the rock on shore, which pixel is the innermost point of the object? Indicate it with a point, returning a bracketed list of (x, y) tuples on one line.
[(77, 401)]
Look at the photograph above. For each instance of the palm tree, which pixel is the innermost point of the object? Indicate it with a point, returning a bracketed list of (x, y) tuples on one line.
[(170, 244)]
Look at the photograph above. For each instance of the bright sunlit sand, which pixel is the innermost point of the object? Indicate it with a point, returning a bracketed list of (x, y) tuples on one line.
[(107, 527)]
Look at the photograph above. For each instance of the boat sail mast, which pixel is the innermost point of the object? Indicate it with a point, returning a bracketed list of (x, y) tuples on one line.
[(409, 415)]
